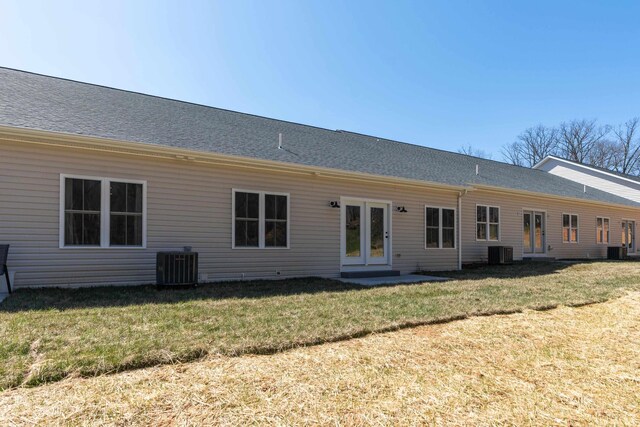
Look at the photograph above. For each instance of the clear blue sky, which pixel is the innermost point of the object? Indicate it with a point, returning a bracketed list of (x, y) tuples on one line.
[(442, 74)]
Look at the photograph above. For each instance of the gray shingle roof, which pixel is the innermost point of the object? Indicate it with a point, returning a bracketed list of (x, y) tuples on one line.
[(40, 102)]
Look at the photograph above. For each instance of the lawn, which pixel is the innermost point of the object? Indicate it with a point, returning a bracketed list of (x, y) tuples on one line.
[(49, 334), (568, 367)]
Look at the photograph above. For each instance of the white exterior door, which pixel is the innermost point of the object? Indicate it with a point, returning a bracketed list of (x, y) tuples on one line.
[(365, 231), (629, 235), (377, 234), (533, 232)]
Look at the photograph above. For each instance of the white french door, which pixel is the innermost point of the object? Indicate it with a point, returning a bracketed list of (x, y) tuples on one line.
[(533, 232), (629, 235), (365, 232)]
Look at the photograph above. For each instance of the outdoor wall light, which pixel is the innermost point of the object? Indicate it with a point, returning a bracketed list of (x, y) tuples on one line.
[(334, 204), (401, 209)]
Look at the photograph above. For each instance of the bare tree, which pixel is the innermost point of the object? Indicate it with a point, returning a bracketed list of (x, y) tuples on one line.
[(578, 138), (626, 156), (512, 153), (531, 146), (475, 152), (603, 154)]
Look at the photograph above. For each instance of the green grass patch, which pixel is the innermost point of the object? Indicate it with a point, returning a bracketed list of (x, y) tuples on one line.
[(49, 334)]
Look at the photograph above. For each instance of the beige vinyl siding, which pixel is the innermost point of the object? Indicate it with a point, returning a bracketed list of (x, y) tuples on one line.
[(189, 203), (511, 207)]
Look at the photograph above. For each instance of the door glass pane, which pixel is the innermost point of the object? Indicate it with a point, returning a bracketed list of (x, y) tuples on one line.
[(538, 231), (526, 232), (352, 227), (377, 232)]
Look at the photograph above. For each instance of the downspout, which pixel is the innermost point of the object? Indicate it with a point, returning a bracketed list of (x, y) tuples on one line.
[(460, 194)]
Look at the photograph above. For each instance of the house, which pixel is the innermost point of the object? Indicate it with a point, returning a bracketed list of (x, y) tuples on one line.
[(620, 184), (94, 181)]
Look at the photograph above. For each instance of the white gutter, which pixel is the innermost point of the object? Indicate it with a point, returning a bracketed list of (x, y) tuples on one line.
[(502, 190), (32, 136)]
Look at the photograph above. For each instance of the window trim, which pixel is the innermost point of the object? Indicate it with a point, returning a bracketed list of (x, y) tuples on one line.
[(609, 230), (488, 223), (105, 212), (455, 226), (261, 220), (577, 228)]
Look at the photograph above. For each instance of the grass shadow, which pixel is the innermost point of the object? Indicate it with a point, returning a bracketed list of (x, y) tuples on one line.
[(516, 270), (33, 299), (122, 296)]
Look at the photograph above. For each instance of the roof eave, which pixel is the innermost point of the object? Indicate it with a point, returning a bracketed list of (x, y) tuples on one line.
[(552, 196), (583, 166), (36, 136)]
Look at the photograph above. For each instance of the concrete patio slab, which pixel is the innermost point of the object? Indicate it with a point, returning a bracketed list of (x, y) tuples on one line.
[(393, 280)]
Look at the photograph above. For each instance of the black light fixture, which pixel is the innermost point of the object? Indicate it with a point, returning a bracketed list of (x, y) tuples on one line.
[(334, 204), (401, 209)]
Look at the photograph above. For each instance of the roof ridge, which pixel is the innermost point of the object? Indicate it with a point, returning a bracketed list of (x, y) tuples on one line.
[(236, 133), (165, 98), (437, 149)]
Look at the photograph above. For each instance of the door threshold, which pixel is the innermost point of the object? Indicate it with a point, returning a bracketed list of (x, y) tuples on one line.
[(368, 273)]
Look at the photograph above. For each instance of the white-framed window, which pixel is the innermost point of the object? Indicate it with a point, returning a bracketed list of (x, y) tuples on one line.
[(602, 230), (487, 222), (440, 227), (260, 219), (570, 231), (98, 212)]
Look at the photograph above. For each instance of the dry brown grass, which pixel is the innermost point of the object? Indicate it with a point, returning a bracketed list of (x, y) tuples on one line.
[(50, 334), (569, 366)]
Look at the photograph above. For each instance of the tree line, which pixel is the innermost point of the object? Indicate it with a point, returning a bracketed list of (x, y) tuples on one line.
[(615, 148)]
